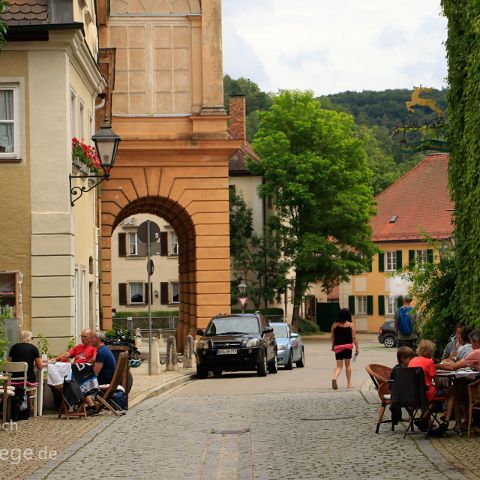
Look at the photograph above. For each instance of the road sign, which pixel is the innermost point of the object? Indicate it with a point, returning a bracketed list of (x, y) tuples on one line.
[(143, 232)]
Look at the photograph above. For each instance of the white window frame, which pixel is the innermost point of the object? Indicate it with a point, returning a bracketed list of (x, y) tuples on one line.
[(173, 244), (171, 292), (135, 244), (73, 113), (81, 120), (421, 258), (391, 261), (16, 154), (390, 304), (130, 284), (361, 305)]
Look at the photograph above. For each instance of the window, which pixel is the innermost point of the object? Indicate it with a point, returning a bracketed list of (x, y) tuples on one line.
[(420, 257), (173, 244), (9, 122), (136, 293), (81, 121), (174, 292), (132, 244), (73, 114), (391, 261), (390, 305), (361, 305)]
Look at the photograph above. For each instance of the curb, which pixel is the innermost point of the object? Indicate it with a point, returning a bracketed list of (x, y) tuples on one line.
[(316, 338)]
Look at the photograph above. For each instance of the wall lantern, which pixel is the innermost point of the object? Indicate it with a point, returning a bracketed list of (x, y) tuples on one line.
[(242, 288), (106, 143)]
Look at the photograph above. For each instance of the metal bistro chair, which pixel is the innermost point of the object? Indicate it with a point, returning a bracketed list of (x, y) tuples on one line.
[(22, 382), (380, 375)]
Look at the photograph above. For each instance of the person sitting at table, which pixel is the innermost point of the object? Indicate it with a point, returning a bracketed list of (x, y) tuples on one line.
[(83, 352), (104, 366), (25, 351), (426, 351), (471, 360), (466, 347), (454, 343)]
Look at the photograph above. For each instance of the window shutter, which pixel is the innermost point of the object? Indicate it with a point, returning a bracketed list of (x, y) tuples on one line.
[(147, 293), (430, 256), (370, 305), (122, 245), (351, 304), (164, 244), (164, 293), (411, 258), (381, 305), (122, 293), (381, 262), (399, 260)]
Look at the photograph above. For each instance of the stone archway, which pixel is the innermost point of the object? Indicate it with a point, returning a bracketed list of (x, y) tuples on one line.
[(189, 189)]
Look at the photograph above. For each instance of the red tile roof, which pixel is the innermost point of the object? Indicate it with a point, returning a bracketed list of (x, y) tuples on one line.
[(420, 200), (237, 164), (26, 12)]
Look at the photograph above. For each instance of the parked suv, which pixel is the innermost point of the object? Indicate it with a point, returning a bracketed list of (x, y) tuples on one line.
[(236, 342)]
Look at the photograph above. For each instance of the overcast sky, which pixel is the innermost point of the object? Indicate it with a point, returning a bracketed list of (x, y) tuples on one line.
[(331, 46)]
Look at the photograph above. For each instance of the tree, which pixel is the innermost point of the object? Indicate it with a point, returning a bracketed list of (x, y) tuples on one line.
[(255, 258), (3, 26), (316, 171)]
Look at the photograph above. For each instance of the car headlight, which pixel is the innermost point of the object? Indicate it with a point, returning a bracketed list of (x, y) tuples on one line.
[(282, 348), (252, 342), (202, 345)]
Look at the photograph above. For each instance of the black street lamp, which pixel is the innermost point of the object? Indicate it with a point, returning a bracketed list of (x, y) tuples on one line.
[(242, 288), (106, 143)]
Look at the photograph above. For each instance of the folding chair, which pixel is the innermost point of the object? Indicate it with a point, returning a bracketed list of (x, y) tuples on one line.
[(22, 382), (380, 375), (104, 397)]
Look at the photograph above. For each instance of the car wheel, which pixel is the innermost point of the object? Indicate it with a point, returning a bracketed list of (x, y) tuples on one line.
[(273, 365), (217, 372), (389, 341), (262, 369), (289, 364), (202, 371), (301, 362)]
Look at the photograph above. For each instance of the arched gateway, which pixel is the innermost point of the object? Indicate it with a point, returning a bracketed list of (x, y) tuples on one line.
[(167, 106)]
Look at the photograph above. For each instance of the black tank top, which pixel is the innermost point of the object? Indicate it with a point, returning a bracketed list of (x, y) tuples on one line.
[(342, 335)]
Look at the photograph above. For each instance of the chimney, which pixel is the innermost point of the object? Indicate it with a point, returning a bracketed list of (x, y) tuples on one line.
[(238, 127)]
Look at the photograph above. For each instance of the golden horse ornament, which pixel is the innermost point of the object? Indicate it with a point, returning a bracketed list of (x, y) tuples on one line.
[(423, 102)]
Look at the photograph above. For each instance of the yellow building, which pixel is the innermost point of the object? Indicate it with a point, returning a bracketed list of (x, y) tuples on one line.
[(49, 82), (414, 207)]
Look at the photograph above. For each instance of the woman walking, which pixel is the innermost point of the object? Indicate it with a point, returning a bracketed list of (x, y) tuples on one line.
[(343, 337)]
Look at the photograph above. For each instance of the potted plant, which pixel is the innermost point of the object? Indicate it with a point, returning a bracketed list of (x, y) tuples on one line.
[(84, 155), (71, 343), (43, 347)]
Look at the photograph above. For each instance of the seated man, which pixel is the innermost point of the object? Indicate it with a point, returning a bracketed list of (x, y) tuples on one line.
[(104, 366), (471, 360), (83, 352)]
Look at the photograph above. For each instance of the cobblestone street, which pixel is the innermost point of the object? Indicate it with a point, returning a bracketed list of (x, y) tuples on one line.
[(285, 426)]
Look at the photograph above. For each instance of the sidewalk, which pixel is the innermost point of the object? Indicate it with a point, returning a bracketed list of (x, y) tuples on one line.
[(26, 446)]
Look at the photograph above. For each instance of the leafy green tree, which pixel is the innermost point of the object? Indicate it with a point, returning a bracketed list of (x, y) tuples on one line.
[(315, 169), (3, 26), (255, 258)]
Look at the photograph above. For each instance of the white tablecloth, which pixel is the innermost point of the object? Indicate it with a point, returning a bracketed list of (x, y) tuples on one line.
[(58, 371)]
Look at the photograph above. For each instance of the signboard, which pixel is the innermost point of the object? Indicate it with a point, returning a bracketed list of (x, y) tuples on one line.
[(143, 232)]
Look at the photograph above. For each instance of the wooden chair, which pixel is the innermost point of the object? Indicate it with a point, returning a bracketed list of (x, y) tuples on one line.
[(6, 393), (22, 382), (473, 401), (380, 375), (104, 397)]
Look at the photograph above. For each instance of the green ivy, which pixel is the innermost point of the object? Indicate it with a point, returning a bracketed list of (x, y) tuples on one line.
[(463, 53)]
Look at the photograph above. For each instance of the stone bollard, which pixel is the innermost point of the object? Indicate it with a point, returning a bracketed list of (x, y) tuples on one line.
[(172, 360), (155, 357), (138, 338), (188, 352)]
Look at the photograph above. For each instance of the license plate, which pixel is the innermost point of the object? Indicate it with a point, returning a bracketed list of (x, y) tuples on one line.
[(227, 351)]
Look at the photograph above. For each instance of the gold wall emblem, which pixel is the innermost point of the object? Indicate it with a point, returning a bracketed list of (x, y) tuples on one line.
[(423, 102)]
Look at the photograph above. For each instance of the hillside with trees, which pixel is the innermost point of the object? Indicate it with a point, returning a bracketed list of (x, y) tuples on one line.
[(375, 115)]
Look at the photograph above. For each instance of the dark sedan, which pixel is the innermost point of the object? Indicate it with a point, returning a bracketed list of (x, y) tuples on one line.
[(386, 334), (236, 342)]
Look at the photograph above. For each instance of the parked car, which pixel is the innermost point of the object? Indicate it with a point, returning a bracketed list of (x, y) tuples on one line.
[(290, 347), (386, 334), (236, 342)]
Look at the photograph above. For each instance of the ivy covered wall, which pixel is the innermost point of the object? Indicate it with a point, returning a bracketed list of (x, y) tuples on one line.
[(463, 53)]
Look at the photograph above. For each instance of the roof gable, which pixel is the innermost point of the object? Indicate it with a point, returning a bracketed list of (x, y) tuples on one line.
[(421, 202)]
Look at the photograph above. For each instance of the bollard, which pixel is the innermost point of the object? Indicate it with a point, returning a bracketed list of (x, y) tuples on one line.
[(130, 323), (188, 352), (171, 361), (138, 338), (155, 357)]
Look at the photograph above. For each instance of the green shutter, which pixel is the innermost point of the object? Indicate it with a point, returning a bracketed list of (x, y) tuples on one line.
[(351, 304), (370, 305), (381, 262), (411, 258), (381, 305), (430, 256), (399, 260)]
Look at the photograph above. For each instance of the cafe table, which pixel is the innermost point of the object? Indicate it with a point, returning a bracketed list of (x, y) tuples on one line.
[(457, 380)]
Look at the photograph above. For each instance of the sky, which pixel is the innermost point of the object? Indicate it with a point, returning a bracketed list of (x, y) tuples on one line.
[(331, 46)]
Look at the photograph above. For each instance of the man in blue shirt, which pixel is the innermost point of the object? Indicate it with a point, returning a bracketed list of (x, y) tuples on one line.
[(104, 366)]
